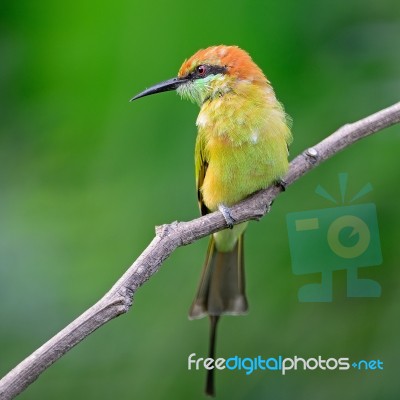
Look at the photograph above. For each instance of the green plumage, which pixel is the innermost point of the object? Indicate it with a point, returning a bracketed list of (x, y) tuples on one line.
[(241, 147)]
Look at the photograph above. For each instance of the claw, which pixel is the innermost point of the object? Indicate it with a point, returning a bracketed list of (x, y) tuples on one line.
[(226, 212), (281, 184)]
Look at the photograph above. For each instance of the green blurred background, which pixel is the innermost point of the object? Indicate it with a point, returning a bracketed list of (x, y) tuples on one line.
[(85, 176)]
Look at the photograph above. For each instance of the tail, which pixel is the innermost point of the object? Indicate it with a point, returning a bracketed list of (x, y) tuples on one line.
[(221, 292)]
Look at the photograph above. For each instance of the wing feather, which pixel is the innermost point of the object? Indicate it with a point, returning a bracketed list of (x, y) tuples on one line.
[(201, 165)]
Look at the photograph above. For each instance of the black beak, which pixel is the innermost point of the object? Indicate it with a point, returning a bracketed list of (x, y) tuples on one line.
[(170, 84)]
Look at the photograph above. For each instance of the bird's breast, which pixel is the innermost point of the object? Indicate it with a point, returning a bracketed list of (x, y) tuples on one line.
[(245, 148)]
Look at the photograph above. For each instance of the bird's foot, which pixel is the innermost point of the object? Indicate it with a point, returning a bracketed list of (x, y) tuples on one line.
[(281, 184), (226, 212)]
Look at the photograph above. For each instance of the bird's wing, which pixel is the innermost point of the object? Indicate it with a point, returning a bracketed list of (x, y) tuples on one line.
[(201, 164)]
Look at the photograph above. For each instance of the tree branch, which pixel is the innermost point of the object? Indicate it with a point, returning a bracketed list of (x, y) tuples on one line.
[(169, 237)]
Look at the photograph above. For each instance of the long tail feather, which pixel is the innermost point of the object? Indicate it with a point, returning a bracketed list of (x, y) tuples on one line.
[(221, 292), (210, 391), (222, 285)]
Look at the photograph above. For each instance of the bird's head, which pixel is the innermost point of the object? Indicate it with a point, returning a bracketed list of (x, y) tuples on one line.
[(211, 73)]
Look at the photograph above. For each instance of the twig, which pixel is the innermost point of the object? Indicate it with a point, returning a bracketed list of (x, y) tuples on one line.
[(169, 237)]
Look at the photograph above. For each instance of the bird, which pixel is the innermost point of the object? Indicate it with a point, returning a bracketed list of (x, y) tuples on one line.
[(243, 136)]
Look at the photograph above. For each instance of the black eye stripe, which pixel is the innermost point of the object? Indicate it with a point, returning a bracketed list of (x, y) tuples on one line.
[(209, 70)]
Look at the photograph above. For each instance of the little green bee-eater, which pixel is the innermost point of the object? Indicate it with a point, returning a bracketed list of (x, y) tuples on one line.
[(241, 147)]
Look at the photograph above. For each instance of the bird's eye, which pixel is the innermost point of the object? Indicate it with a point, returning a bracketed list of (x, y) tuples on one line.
[(201, 70)]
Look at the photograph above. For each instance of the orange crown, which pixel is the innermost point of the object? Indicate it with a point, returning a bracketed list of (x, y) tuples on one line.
[(238, 63)]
